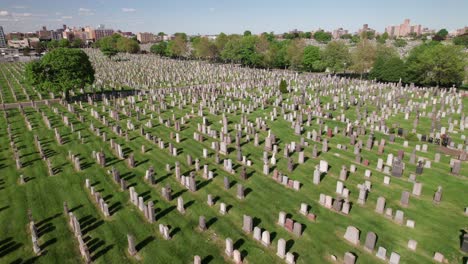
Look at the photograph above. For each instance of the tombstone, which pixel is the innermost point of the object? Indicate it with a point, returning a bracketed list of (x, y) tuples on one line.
[(405, 198), (290, 258), (248, 224), (399, 217), (202, 223), (438, 257), (371, 238), (381, 253), (419, 168), (266, 238), (397, 168), (380, 205), (297, 229), (240, 192), (281, 248), (282, 218), (349, 258), (438, 195), (304, 209), (131, 245), (229, 247), (226, 183), (257, 233), (456, 167), (417, 188), (412, 244), (352, 235), (237, 257), (464, 245), (180, 205), (222, 208), (394, 258), (197, 260)]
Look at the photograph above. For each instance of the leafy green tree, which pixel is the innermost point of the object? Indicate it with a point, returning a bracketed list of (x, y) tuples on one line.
[(382, 38), (108, 46), (64, 43), (60, 70), (311, 60), (295, 53), (247, 33), (283, 86), (159, 48), (203, 48), (127, 45), (322, 36), (53, 44), (461, 40), (437, 64), (346, 36), (77, 43), (442, 34), (336, 56), (388, 66), (400, 43), (178, 46), (363, 56), (221, 41)]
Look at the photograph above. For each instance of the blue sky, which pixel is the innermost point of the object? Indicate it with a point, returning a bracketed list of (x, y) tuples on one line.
[(214, 16)]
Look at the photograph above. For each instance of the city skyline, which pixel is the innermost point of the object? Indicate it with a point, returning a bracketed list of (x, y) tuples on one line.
[(258, 16)]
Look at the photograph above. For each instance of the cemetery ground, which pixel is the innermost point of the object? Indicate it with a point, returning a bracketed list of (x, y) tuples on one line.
[(40, 177)]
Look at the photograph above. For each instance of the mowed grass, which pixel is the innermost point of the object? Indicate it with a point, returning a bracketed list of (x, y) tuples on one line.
[(438, 227)]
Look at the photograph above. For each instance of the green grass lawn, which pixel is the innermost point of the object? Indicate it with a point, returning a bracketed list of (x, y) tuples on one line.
[(437, 228)]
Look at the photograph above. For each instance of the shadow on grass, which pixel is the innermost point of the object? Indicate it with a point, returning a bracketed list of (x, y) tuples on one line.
[(143, 243)]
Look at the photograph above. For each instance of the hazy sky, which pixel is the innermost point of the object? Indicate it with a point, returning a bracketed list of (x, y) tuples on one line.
[(214, 16)]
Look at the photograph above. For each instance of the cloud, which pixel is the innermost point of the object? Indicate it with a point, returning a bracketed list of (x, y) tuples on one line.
[(19, 7), (67, 17), (4, 13), (127, 10), (211, 9), (22, 14), (85, 12)]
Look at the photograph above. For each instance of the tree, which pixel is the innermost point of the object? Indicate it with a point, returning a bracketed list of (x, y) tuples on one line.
[(77, 43), (60, 70), (461, 40), (382, 38), (203, 48), (178, 46), (336, 56), (39, 46), (322, 36), (400, 43), (64, 43), (160, 48), (311, 59), (247, 33), (221, 41), (283, 86), (437, 64), (127, 45), (53, 44), (363, 56), (388, 66), (441, 34), (295, 52)]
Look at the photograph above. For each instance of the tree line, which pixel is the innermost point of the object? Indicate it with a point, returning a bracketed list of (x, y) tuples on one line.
[(431, 63)]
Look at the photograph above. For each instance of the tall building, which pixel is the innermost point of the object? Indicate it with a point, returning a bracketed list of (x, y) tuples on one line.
[(3, 43), (365, 28), (102, 32), (404, 29), (337, 33), (145, 37), (44, 34)]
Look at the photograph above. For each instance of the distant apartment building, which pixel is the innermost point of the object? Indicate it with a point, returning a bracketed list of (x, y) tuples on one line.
[(145, 37), (102, 32), (337, 33), (18, 43), (404, 29), (461, 31), (14, 36), (3, 43), (90, 34), (44, 34), (365, 28), (56, 35)]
